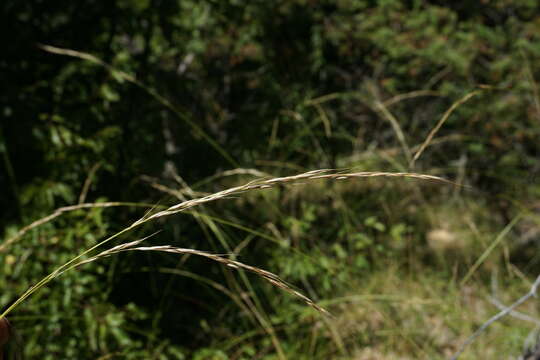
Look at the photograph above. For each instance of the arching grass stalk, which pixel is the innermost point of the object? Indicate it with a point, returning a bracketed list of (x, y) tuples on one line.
[(253, 185)]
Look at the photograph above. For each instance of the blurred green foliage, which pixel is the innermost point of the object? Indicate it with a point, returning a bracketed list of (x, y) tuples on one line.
[(280, 86)]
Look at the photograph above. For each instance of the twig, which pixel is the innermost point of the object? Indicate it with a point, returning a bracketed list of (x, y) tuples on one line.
[(501, 314), (516, 314)]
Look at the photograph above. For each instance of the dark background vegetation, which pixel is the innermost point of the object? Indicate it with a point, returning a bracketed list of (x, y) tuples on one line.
[(281, 87)]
